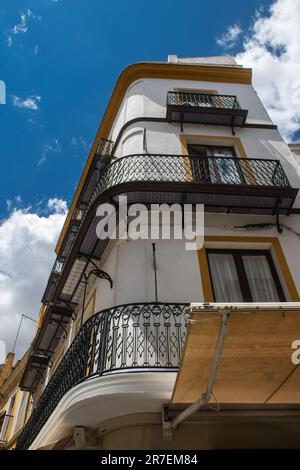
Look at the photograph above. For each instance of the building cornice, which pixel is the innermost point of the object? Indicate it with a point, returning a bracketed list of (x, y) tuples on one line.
[(151, 70)]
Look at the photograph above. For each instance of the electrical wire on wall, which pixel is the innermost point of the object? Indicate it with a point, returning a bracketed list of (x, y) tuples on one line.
[(254, 226)]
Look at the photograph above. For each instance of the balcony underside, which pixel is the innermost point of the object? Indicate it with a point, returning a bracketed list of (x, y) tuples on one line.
[(209, 116), (101, 399), (140, 337)]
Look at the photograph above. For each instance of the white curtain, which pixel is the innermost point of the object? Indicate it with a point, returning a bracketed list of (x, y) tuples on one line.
[(227, 169), (260, 279), (224, 278)]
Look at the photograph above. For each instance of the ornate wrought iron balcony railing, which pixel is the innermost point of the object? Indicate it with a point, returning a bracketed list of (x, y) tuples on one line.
[(192, 169), (104, 147), (206, 100), (222, 184), (140, 336), (246, 186), (205, 108)]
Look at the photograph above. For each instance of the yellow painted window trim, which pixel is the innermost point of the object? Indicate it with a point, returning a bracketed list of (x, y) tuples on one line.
[(278, 253), (212, 139)]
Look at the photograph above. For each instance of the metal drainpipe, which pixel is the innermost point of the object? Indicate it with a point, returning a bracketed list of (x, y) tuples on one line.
[(145, 141), (155, 271), (205, 397)]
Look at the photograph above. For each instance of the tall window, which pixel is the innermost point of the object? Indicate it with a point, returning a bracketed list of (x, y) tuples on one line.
[(215, 164), (244, 276)]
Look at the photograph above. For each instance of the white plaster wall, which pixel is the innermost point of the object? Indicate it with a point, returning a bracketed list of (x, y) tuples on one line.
[(178, 271), (164, 138), (156, 95), (130, 264), (132, 141), (132, 106), (148, 97)]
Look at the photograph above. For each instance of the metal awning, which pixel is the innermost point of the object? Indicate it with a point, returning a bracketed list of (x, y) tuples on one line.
[(34, 372), (44, 344), (239, 354)]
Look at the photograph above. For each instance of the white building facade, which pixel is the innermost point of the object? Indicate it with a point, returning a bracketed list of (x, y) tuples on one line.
[(112, 329)]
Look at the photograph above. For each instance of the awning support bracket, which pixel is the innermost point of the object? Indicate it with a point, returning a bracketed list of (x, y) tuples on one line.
[(39, 373), (68, 304), (59, 323), (169, 426), (98, 272)]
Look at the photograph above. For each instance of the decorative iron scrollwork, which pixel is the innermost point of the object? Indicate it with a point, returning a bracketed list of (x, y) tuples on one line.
[(139, 336)]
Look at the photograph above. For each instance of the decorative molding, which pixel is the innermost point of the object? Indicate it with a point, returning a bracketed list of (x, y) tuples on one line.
[(112, 396)]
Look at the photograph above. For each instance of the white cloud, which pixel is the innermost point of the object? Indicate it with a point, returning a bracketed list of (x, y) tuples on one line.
[(57, 205), (22, 26), (272, 49), (79, 141), (28, 103), (229, 39), (48, 148), (27, 241)]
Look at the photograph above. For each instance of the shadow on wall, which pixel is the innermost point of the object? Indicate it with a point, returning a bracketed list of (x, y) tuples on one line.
[(279, 150)]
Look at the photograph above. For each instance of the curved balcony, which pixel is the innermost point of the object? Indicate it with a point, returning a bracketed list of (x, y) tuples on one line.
[(132, 337), (255, 186), (222, 184), (204, 176)]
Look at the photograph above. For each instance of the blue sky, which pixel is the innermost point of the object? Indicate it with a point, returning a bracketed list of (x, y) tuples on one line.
[(70, 57), (60, 60)]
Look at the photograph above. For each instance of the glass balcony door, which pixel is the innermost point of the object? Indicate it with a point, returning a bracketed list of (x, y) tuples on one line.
[(214, 164)]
